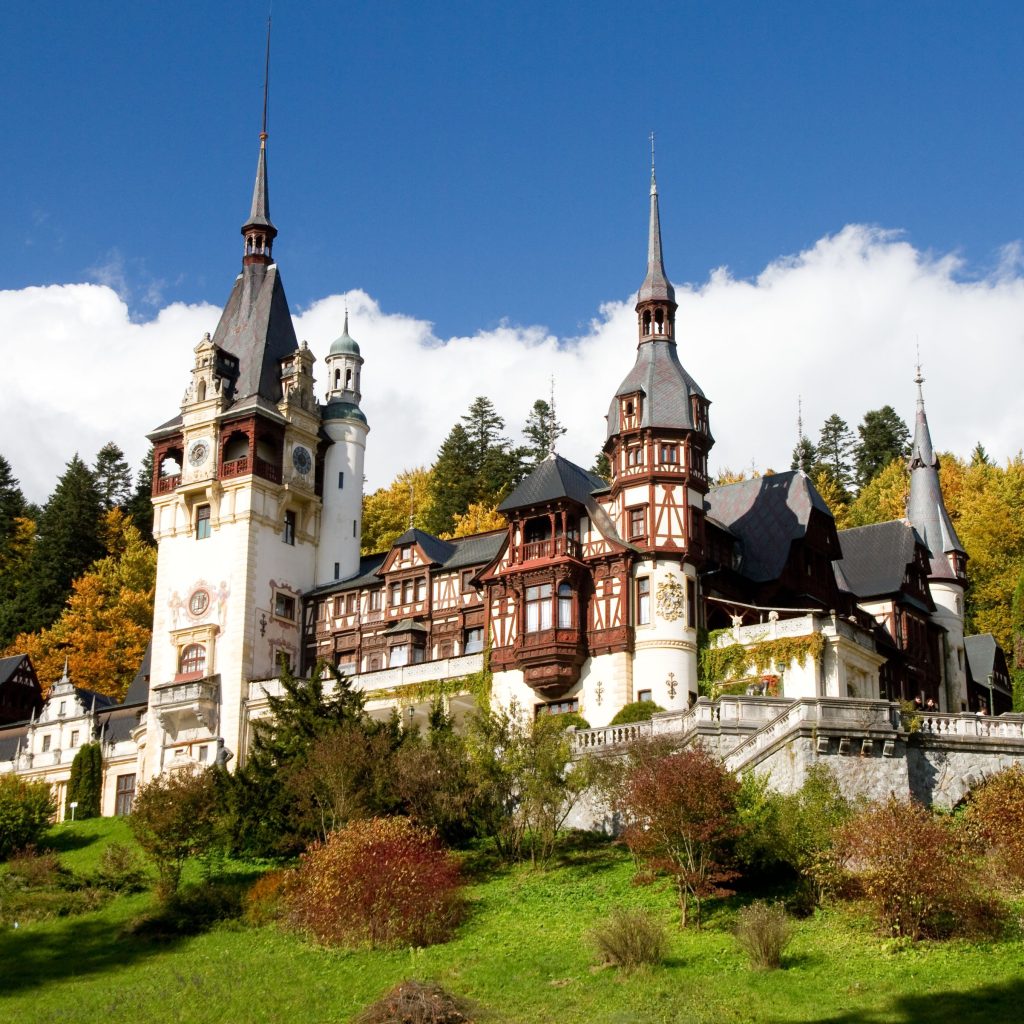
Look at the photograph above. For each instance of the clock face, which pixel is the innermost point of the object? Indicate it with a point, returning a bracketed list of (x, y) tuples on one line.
[(198, 452), (199, 601), (301, 459)]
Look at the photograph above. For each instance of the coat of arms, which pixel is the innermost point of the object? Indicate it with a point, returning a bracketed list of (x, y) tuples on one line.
[(671, 599)]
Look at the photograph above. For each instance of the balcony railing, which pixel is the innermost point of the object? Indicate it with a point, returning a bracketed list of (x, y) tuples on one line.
[(166, 484), (256, 465), (535, 549)]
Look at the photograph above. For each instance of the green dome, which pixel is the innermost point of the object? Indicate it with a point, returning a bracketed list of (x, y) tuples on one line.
[(346, 345), (336, 410)]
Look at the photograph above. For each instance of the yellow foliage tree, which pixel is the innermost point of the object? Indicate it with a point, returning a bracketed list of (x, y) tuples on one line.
[(386, 510), (883, 499), (479, 518), (833, 496), (107, 622)]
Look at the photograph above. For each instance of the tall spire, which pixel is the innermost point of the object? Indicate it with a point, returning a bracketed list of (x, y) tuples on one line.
[(258, 231), (656, 301), (926, 509)]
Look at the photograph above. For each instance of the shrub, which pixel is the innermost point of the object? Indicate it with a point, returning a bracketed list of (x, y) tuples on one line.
[(764, 932), (119, 869), (174, 817), (682, 813), (263, 902), (916, 872), (85, 784), (25, 812), (638, 711), (416, 1002), (378, 882), (36, 886), (630, 938), (995, 817), (190, 910)]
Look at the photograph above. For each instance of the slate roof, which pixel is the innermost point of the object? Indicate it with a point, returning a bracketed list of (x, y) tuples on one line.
[(8, 666), (10, 739), (666, 386), (138, 691), (434, 548), (981, 655), (366, 576), (875, 558), (767, 514), (656, 284), (554, 478), (118, 723)]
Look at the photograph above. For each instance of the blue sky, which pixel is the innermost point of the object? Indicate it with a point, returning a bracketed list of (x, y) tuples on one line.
[(839, 181), (472, 162)]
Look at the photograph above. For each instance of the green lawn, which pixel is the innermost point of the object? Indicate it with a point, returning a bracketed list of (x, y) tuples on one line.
[(523, 955)]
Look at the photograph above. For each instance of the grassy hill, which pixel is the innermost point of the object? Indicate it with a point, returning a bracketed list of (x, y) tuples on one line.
[(523, 955)]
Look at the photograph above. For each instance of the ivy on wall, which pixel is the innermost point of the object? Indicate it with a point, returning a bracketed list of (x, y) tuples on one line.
[(430, 691), (734, 661)]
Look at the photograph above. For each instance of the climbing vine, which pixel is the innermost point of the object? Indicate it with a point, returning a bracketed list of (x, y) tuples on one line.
[(477, 684), (733, 661)]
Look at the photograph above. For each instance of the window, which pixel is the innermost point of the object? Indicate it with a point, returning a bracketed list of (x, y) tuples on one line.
[(125, 795), (396, 594), (634, 455), (63, 708), (558, 707), (374, 600), (691, 604), (421, 589), (282, 660), (74, 738), (204, 752), (644, 695), (350, 604), (669, 454), (353, 527), (398, 656), (284, 606), (289, 527), (564, 606), (46, 744), (337, 570), (538, 608), (473, 642), (193, 659), (466, 580), (407, 592), (643, 601), (341, 481), (202, 522), (637, 524)]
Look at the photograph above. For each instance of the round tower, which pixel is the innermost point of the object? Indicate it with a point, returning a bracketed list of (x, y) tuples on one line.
[(345, 425)]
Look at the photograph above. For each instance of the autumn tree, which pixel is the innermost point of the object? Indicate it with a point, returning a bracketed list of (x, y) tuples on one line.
[(883, 499), (682, 812), (479, 518), (883, 439), (834, 496), (995, 815), (387, 511), (105, 627)]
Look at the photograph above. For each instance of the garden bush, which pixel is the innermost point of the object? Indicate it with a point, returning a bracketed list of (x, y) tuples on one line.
[(263, 901), (190, 910), (377, 882), (630, 938), (119, 869), (416, 1002), (85, 783), (25, 812), (995, 819), (764, 931), (35, 887), (638, 711), (916, 872)]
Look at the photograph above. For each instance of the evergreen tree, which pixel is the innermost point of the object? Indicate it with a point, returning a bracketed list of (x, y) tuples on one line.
[(12, 504), (69, 540), (496, 466), (113, 477), (804, 456), (979, 457), (85, 784), (835, 454), (452, 482), (140, 505), (884, 437), (261, 806), (541, 431), (602, 467)]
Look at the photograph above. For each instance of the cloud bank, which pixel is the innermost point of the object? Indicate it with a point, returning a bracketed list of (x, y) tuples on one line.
[(836, 324)]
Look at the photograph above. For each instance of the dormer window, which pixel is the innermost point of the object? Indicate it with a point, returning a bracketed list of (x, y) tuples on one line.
[(631, 412)]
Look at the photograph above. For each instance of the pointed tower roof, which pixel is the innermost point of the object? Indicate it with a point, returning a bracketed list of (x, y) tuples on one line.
[(259, 214), (656, 284), (346, 344), (926, 509)]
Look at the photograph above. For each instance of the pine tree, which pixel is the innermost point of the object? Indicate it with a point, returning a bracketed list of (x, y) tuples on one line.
[(884, 438), (804, 456), (541, 431), (12, 504), (495, 465), (69, 540), (113, 477), (602, 467), (452, 482), (979, 457), (140, 504), (835, 454)]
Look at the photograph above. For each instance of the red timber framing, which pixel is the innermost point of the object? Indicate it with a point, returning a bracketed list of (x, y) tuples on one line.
[(250, 446)]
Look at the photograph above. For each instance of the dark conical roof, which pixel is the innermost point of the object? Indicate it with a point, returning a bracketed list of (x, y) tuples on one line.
[(926, 508), (259, 214), (656, 284)]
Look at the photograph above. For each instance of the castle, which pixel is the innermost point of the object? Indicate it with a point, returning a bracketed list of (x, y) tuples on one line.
[(593, 597)]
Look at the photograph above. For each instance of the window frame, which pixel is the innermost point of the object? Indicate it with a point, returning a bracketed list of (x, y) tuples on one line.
[(636, 514), (643, 600), (288, 527), (192, 659), (203, 524), (284, 603), (537, 603)]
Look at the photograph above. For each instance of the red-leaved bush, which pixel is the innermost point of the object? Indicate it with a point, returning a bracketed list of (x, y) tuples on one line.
[(682, 814), (916, 871), (995, 817), (376, 882)]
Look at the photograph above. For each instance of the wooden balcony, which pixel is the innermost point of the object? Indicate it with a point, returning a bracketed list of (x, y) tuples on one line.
[(166, 484), (553, 547), (246, 465)]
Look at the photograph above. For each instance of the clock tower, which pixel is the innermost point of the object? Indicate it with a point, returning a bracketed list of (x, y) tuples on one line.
[(237, 487)]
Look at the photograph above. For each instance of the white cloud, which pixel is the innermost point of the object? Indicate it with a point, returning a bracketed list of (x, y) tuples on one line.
[(837, 324)]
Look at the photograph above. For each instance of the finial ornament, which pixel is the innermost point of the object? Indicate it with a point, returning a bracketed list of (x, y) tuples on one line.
[(266, 84), (552, 422), (654, 183)]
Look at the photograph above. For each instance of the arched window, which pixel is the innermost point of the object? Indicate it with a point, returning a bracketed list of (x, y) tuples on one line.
[(193, 659), (647, 321), (564, 606), (202, 391)]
